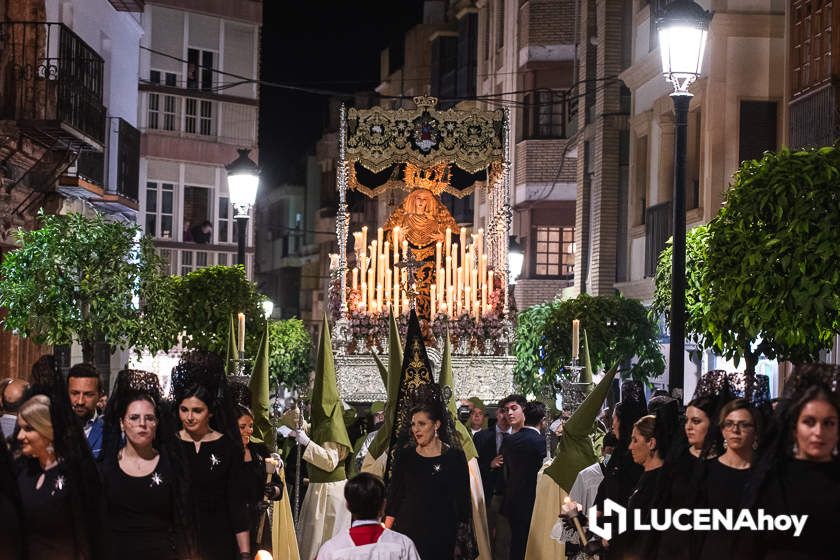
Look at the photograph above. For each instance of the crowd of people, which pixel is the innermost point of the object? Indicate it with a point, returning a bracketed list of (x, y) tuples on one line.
[(723, 452), (180, 476)]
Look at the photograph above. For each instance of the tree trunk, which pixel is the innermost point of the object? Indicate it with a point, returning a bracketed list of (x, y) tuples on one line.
[(751, 359), (88, 354)]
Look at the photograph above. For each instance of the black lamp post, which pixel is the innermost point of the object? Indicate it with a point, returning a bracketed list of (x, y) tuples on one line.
[(683, 29), (243, 180)]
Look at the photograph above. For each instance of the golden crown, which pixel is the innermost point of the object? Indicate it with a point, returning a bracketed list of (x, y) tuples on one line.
[(434, 179)]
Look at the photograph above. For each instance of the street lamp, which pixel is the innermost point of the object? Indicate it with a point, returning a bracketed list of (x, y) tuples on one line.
[(683, 29), (243, 180), (516, 257)]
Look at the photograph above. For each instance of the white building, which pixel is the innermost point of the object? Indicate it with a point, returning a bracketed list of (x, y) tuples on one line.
[(199, 66)]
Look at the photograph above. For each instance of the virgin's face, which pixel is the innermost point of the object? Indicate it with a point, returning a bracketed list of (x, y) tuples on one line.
[(195, 416), (696, 426), (639, 447), (140, 423), (423, 429), (32, 444), (739, 430), (246, 428), (816, 431)]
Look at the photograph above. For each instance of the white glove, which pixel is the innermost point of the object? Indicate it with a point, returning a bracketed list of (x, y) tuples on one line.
[(285, 431), (302, 438)]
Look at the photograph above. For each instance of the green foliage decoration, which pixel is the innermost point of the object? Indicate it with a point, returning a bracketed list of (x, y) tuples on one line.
[(207, 297), (696, 249), (78, 278), (618, 329), (290, 352), (772, 272)]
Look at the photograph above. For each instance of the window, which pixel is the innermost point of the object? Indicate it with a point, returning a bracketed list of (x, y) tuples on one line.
[(545, 114), (170, 78), (186, 262), (553, 255), (500, 24), (197, 208), (170, 104), (200, 69), (223, 220), (758, 128), (810, 44), (640, 184), (169, 112), (159, 209), (166, 255), (198, 116), (152, 120), (222, 259)]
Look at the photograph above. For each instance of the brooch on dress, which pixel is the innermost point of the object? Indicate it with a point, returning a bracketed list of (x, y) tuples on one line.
[(214, 461), (436, 468), (59, 484), (156, 480)]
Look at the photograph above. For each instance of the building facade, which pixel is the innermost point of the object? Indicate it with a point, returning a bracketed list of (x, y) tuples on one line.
[(199, 66), (626, 177), (68, 126), (526, 63)]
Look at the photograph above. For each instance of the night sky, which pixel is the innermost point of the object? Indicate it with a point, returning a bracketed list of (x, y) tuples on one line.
[(325, 45)]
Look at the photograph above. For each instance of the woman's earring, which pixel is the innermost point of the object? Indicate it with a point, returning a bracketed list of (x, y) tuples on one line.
[(835, 452), (724, 444), (755, 445), (795, 449), (51, 449)]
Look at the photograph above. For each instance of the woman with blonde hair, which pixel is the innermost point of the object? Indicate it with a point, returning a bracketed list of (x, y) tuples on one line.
[(57, 478)]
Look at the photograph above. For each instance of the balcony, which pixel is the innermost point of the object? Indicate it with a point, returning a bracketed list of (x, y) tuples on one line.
[(109, 179), (128, 5), (52, 85), (658, 230), (549, 113)]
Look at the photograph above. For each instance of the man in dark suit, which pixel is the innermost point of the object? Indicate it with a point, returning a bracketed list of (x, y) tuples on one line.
[(488, 443), (85, 390), (523, 455)]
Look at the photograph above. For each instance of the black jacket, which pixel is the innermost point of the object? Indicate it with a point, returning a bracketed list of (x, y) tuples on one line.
[(523, 454), (485, 444)]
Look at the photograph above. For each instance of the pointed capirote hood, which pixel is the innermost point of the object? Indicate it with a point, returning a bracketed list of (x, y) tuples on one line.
[(327, 416)]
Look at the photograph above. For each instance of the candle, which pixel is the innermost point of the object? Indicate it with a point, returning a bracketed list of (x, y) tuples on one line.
[(379, 296), (364, 290), (459, 287), (447, 280), (396, 287), (364, 240), (379, 234), (405, 249), (355, 282), (575, 338), (374, 260), (371, 286), (480, 247), (386, 252), (438, 248), (241, 332), (450, 305), (455, 261), (463, 246), (395, 238), (441, 277), (388, 286), (484, 298), (357, 242)]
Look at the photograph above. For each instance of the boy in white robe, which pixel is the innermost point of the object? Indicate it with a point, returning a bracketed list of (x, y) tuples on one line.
[(367, 539)]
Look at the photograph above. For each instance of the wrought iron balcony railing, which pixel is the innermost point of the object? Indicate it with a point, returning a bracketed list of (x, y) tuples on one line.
[(52, 83)]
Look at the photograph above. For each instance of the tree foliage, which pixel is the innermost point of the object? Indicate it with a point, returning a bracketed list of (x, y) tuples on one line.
[(762, 277), (618, 329), (207, 297), (772, 269), (290, 352), (696, 249), (83, 278)]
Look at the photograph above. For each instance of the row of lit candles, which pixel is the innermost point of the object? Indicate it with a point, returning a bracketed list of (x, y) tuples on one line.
[(461, 282)]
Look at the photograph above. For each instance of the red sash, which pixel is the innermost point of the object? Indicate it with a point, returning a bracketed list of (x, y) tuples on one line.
[(366, 534)]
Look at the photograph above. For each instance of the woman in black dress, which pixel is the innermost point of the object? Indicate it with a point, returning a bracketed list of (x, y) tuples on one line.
[(727, 475), (10, 508), (213, 450), (57, 478), (428, 498), (256, 488), (144, 480), (800, 473)]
